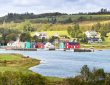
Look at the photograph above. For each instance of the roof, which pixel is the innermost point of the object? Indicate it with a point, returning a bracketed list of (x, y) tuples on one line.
[(73, 43), (93, 39), (11, 42)]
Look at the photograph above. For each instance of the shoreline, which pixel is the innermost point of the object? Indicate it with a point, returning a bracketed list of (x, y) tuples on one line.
[(16, 62)]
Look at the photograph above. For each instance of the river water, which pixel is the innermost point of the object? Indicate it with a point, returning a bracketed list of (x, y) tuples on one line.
[(66, 64)]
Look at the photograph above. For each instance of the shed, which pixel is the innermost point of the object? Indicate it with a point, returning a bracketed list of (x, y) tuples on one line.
[(28, 44), (72, 45), (62, 45), (39, 45), (33, 44)]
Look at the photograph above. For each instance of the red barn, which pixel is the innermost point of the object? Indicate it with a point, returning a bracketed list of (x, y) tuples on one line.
[(39, 45), (72, 45)]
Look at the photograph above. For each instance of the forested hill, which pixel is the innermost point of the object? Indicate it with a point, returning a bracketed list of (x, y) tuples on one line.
[(21, 17), (57, 17)]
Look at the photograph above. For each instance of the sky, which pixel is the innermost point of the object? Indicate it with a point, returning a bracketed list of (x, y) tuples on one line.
[(46, 6)]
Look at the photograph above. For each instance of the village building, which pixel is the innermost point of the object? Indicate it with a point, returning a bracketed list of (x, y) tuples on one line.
[(49, 45), (72, 45), (16, 44), (41, 35), (39, 45), (93, 37), (12, 44)]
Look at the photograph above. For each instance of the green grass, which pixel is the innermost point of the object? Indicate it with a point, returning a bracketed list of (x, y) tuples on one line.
[(9, 57), (60, 33), (51, 33), (74, 17), (19, 63), (85, 25), (55, 80), (16, 62)]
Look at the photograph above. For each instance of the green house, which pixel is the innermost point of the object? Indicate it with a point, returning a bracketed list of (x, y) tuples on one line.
[(62, 45), (28, 45)]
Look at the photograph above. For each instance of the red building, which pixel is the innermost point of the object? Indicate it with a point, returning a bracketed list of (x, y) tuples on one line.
[(72, 45), (39, 45)]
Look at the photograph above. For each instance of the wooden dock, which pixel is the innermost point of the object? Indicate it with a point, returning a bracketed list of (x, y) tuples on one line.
[(83, 50), (25, 49)]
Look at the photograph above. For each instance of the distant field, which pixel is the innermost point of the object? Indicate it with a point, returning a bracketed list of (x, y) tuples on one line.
[(51, 33), (74, 17), (40, 27)]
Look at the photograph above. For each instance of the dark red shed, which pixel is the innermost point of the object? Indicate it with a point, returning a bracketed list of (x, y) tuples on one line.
[(39, 45)]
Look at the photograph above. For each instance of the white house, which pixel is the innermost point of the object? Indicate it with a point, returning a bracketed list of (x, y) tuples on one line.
[(12, 43), (41, 35), (92, 34), (48, 45), (93, 37), (16, 44)]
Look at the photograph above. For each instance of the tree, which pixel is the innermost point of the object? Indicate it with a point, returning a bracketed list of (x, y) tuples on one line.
[(11, 37), (69, 20), (97, 27), (25, 37), (99, 74), (83, 38), (107, 79), (85, 72), (81, 18), (8, 34), (75, 31)]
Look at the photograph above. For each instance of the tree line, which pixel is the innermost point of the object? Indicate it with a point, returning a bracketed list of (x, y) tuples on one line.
[(22, 17), (88, 77)]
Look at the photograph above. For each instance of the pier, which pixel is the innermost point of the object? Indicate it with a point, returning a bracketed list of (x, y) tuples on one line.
[(25, 49)]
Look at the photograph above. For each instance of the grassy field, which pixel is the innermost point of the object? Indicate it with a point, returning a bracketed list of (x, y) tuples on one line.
[(85, 25), (74, 18), (51, 33), (19, 63), (9, 57), (60, 33), (16, 62)]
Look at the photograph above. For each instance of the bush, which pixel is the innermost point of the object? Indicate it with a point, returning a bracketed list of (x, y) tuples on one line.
[(18, 78)]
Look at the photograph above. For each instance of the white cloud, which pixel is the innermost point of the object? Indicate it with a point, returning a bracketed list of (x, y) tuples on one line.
[(41, 6)]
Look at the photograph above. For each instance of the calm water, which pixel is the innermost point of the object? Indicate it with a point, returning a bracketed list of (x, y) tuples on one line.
[(66, 64)]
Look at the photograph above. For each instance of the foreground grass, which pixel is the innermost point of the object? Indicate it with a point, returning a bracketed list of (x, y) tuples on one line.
[(55, 80), (16, 62), (20, 63)]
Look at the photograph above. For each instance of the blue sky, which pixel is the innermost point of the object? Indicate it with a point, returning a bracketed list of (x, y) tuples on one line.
[(44, 6)]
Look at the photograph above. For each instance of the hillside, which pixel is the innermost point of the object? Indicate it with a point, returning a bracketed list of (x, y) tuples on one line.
[(85, 25), (52, 22), (55, 17), (65, 19)]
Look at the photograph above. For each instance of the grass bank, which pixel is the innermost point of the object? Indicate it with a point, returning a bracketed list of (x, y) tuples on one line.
[(20, 63), (16, 62)]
